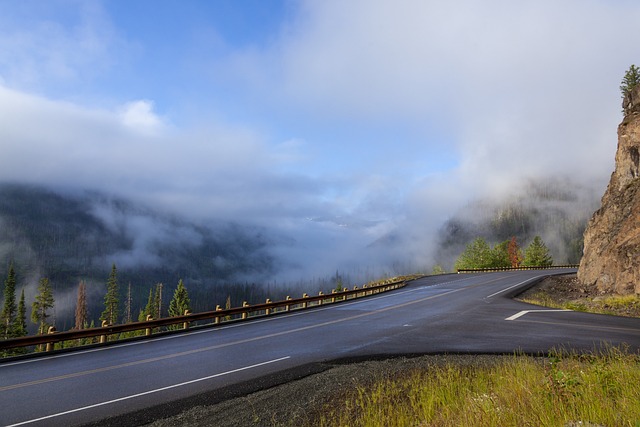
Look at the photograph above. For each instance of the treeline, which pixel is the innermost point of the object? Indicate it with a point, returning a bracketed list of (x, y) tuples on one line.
[(479, 254), (125, 304)]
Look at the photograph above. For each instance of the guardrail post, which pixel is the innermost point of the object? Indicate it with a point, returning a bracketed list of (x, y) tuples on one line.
[(333, 298), (216, 320), (50, 345), (267, 311), (245, 314), (320, 301), (103, 338), (305, 304), (185, 325), (147, 331), (287, 307)]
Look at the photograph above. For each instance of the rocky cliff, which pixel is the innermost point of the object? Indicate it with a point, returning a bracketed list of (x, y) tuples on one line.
[(611, 259)]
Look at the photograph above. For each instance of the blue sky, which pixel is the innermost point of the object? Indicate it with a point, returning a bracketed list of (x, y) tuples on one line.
[(392, 114)]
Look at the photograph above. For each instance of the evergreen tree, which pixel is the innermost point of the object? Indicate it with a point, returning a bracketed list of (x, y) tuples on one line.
[(477, 254), (537, 254), (82, 314), (631, 80), (8, 316), (500, 255), (437, 269), (180, 301), (43, 302), (157, 299), (150, 308), (40, 307), (21, 318), (111, 299), (127, 307)]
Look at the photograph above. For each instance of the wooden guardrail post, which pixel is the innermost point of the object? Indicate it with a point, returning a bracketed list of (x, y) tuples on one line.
[(103, 338), (245, 314), (320, 301), (267, 311), (216, 320), (50, 345), (305, 304), (287, 307), (147, 331), (333, 298), (185, 325)]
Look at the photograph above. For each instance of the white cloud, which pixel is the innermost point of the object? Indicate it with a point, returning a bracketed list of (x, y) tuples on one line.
[(140, 117)]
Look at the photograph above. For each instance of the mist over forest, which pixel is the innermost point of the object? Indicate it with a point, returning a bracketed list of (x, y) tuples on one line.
[(73, 236)]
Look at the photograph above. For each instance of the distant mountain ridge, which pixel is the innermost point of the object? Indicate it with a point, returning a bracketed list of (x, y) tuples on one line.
[(71, 237)]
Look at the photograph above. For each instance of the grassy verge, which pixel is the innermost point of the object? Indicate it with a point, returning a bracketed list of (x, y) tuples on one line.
[(627, 305), (559, 390)]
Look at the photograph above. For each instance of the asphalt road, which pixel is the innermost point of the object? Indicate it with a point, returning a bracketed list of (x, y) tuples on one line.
[(436, 314)]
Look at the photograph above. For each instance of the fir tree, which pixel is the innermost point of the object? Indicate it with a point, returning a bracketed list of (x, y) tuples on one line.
[(157, 309), (149, 308), (111, 299), (82, 314), (40, 307), (477, 254), (537, 254), (630, 81), (8, 316), (20, 328), (127, 307), (180, 301)]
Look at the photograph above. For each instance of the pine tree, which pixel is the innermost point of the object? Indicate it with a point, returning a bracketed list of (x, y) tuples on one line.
[(180, 301), (40, 307), (537, 254), (20, 328), (82, 313), (8, 316), (127, 307), (630, 81), (149, 308), (477, 254), (500, 255), (111, 299), (157, 309)]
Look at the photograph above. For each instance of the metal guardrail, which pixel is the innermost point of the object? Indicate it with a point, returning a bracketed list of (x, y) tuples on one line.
[(495, 269), (217, 316)]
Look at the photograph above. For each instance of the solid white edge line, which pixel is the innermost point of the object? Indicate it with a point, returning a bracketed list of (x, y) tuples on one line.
[(513, 286), (133, 396), (522, 313)]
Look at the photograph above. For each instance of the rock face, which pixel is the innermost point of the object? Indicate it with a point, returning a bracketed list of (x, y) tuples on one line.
[(611, 259)]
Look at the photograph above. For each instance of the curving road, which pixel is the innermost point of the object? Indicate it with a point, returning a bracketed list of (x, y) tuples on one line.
[(436, 314)]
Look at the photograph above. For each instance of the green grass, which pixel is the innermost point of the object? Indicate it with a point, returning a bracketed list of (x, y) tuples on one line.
[(558, 390), (627, 305)]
